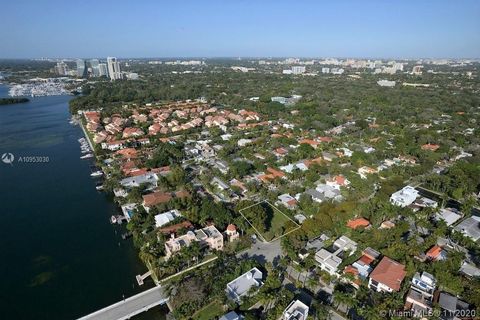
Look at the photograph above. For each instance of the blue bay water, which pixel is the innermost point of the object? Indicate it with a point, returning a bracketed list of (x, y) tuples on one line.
[(60, 258)]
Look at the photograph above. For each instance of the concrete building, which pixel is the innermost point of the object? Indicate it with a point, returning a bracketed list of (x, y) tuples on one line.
[(61, 68), (94, 63), (114, 71), (102, 70), (386, 83), (296, 310), (240, 286), (298, 69), (81, 68)]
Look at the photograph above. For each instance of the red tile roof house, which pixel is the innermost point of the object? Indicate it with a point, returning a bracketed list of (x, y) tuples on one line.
[(280, 152), (314, 144), (430, 147), (132, 132), (271, 174), (325, 139), (358, 223), (387, 276), (158, 197), (436, 253)]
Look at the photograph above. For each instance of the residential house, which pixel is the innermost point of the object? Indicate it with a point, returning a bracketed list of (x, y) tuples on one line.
[(155, 198), (327, 156), (337, 181), (280, 152), (128, 210), (364, 171), (207, 237), (358, 223), (420, 296), (113, 145), (186, 225), (362, 268), (387, 276), (288, 201), (430, 147), (270, 175), (470, 270), (232, 233), (314, 144), (470, 227), (452, 306), (240, 287), (132, 133), (222, 166), (324, 192), (166, 217), (232, 315), (313, 245), (404, 197), (329, 259), (149, 179), (448, 215), (219, 184), (296, 310), (436, 253), (290, 167), (159, 197)]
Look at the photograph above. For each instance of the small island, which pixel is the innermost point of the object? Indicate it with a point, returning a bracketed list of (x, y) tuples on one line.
[(5, 101)]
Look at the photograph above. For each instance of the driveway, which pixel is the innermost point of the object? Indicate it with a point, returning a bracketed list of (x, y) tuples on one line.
[(263, 252)]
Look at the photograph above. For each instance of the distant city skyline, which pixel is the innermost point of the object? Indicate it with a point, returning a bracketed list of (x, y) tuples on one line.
[(158, 29)]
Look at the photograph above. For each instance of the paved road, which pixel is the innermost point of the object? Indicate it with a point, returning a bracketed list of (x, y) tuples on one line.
[(336, 316), (131, 306), (263, 251)]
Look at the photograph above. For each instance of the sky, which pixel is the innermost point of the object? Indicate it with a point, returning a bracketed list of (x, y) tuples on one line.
[(240, 28)]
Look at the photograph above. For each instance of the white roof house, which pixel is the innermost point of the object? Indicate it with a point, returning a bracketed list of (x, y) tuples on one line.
[(296, 310), (470, 227), (404, 197), (329, 260), (290, 167), (239, 287), (448, 215), (232, 315), (148, 178), (166, 217), (469, 269)]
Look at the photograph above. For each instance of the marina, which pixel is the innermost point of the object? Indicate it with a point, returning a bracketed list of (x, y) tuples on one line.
[(39, 87)]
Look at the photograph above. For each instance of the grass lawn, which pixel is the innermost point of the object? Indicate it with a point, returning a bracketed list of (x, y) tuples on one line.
[(210, 311), (278, 223)]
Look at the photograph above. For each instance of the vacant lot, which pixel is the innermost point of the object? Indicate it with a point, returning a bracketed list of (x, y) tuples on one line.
[(268, 221), (210, 311)]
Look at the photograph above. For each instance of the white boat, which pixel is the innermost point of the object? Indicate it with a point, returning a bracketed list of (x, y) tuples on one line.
[(88, 155), (97, 173), (100, 187)]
